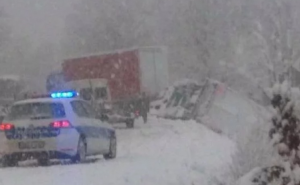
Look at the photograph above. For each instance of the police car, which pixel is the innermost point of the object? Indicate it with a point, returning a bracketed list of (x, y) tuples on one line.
[(59, 126)]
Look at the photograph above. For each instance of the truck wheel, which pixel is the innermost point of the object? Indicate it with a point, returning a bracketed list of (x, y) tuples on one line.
[(130, 123), (112, 149), (9, 161), (81, 151)]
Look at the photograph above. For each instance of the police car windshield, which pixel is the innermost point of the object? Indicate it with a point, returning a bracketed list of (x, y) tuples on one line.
[(36, 111)]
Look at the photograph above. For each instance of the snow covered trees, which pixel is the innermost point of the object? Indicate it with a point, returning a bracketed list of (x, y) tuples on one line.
[(285, 123), (285, 136), (276, 31)]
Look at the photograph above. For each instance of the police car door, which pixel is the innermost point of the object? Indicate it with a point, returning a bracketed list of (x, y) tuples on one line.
[(86, 126), (105, 135), (99, 130)]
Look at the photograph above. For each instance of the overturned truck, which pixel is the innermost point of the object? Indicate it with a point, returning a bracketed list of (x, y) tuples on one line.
[(211, 102)]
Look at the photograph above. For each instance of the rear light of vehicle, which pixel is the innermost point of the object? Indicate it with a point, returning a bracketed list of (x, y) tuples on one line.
[(60, 124), (137, 113), (6, 126)]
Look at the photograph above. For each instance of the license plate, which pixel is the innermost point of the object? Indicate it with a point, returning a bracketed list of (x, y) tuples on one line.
[(32, 145)]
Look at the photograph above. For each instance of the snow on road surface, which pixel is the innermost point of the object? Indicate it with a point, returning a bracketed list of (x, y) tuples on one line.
[(162, 152)]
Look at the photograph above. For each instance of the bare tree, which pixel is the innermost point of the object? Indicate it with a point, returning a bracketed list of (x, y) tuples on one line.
[(275, 26)]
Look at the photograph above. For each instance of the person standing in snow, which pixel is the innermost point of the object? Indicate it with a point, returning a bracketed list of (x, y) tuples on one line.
[(144, 106)]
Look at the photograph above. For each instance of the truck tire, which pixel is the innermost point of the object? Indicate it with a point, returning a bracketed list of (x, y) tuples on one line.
[(112, 149), (130, 123), (81, 151)]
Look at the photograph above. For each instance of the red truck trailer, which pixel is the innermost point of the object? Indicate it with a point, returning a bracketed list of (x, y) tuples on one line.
[(118, 76), (121, 70)]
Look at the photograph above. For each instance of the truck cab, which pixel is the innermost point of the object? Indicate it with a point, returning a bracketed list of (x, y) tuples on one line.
[(97, 92)]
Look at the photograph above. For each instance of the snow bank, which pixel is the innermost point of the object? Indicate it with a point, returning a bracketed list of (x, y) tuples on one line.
[(160, 152), (248, 178), (253, 149), (229, 111), (275, 175)]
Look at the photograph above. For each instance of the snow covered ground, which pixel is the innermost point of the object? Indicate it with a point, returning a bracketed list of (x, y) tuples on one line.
[(162, 152)]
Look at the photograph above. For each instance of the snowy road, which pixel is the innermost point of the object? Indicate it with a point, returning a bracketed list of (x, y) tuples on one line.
[(163, 152)]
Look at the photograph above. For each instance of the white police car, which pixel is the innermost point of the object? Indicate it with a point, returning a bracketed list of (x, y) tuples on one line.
[(60, 126)]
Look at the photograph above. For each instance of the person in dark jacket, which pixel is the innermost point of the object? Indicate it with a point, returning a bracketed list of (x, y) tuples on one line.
[(144, 106)]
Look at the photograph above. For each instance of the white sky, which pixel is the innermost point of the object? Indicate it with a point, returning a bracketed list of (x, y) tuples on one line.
[(39, 19)]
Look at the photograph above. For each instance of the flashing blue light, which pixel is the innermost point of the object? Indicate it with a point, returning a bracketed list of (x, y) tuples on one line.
[(67, 94)]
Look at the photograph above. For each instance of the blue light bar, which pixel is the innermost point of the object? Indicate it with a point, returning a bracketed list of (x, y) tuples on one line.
[(65, 94)]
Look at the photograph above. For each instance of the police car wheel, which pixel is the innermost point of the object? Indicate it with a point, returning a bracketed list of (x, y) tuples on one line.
[(112, 149), (9, 161), (81, 151), (44, 162), (43, 159)]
